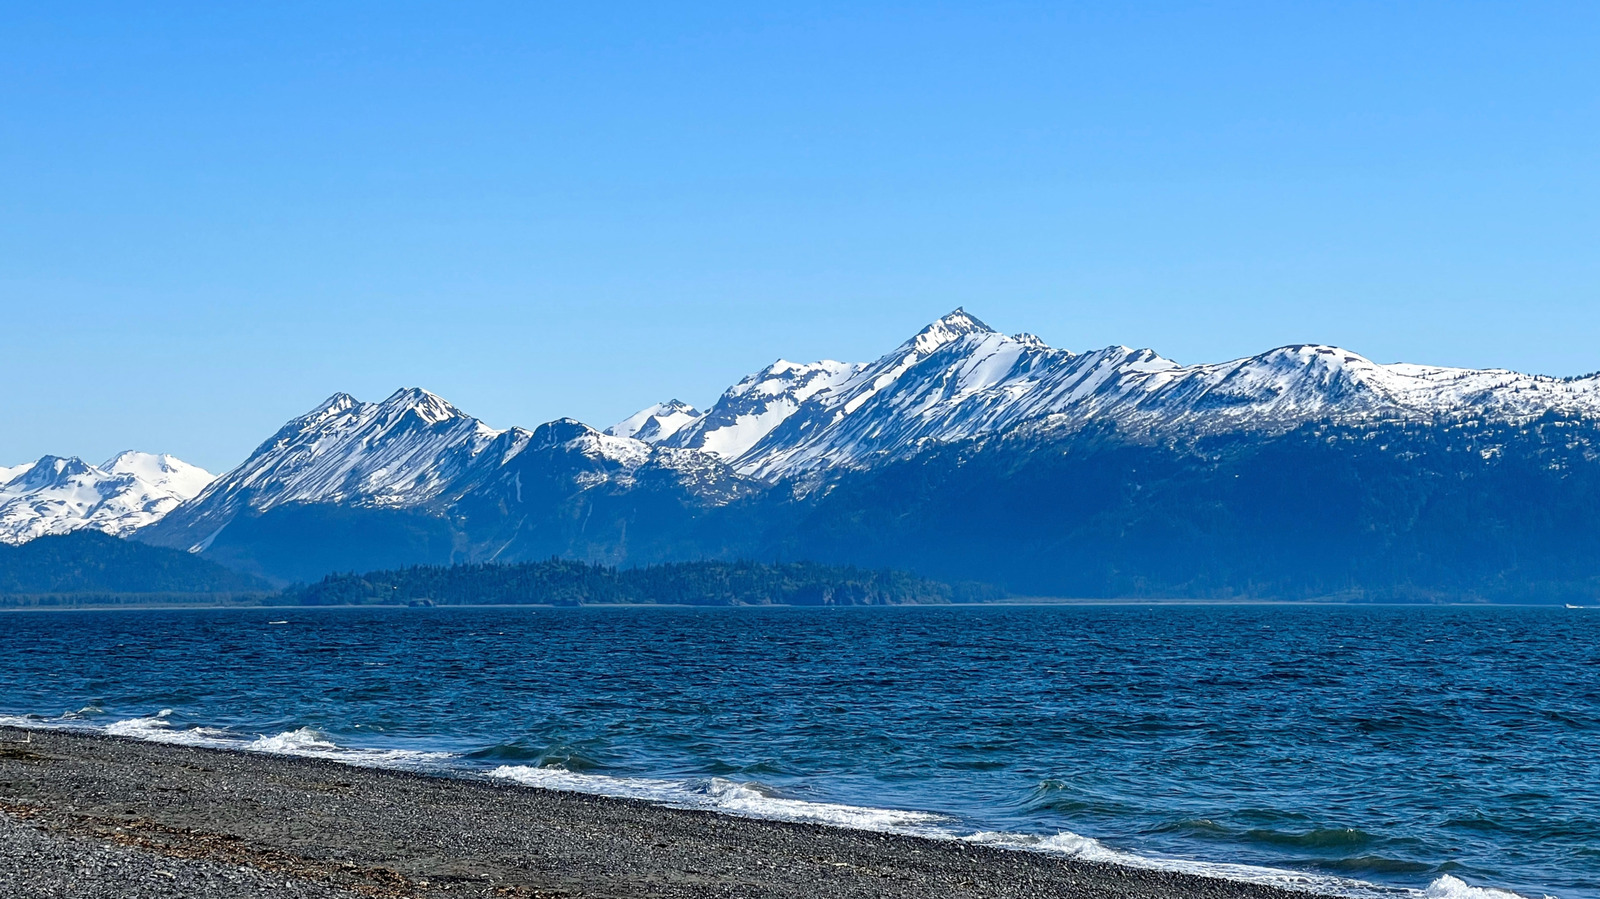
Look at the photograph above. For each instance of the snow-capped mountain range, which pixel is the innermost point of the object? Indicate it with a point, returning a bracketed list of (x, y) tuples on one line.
[(802, 423), (415, 451), (959, 379), (126, 492)]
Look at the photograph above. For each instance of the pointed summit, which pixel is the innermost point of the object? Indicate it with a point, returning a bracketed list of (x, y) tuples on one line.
[(52, 471), (336, 403), (330, 408), (428, 406), (959, 319), (951, 327), (655, 423), (399, 453)]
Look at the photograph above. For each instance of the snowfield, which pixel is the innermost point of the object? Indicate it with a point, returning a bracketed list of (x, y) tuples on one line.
[(126, 492)]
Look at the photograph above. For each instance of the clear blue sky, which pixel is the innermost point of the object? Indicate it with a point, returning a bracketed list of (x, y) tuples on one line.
[(214, 215)]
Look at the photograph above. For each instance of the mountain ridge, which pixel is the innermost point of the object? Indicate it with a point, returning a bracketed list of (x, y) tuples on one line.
[(958, 379), (797, 459)]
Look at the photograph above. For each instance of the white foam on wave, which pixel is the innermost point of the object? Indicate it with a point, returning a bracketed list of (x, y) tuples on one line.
[(294, 742), (72, 719), (303, 741), (752, 801), (731, 797), (1448, 887), (306, 741), (1088, 849), (158, 728)]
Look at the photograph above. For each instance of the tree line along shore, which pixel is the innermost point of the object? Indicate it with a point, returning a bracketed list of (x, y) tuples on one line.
[(89, 569)]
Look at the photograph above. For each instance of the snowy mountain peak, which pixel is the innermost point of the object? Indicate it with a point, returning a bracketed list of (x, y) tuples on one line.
[(574, 436), (333, 405), (429, 407), (558, 432), (952, 326), (161, 470), (396, 453), (415, 452), (51, 471), (958, 378), (955, 378), (57, 494), (656, 423), (1322, 355), (797, 379), (1141, 361), (750, 409)]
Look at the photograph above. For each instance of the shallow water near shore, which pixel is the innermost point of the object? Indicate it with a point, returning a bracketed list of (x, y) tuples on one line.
[(1362, 750)]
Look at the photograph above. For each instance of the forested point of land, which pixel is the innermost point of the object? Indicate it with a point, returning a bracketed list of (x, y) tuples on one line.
[(566, 583)]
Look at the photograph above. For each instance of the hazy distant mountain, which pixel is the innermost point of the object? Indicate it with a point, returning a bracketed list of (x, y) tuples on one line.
[(126, 492), (966, 453), (89, 562)]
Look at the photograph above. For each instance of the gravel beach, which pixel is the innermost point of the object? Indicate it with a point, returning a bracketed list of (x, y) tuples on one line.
[(87, 816)]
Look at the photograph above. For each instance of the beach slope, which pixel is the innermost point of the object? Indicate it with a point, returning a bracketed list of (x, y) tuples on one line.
[(84, 815)]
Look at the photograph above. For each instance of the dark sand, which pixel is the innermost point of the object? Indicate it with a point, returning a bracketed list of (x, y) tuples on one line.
[(88, 816)]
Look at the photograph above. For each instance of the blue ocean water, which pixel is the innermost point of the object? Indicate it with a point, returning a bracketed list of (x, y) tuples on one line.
[(1366, 750)]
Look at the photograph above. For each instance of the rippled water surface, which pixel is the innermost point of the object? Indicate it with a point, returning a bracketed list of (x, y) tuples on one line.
[(1399, 747)]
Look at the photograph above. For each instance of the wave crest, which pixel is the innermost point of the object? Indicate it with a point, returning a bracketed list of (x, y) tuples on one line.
[(747, 799)]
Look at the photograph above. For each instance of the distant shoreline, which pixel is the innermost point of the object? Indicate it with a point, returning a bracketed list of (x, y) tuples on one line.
[(1022, 602), (300, 826)]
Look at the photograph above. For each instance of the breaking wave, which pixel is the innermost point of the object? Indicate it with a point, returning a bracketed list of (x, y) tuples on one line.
[(743, 798), (748, 799), (304, 741), (755, 800)]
